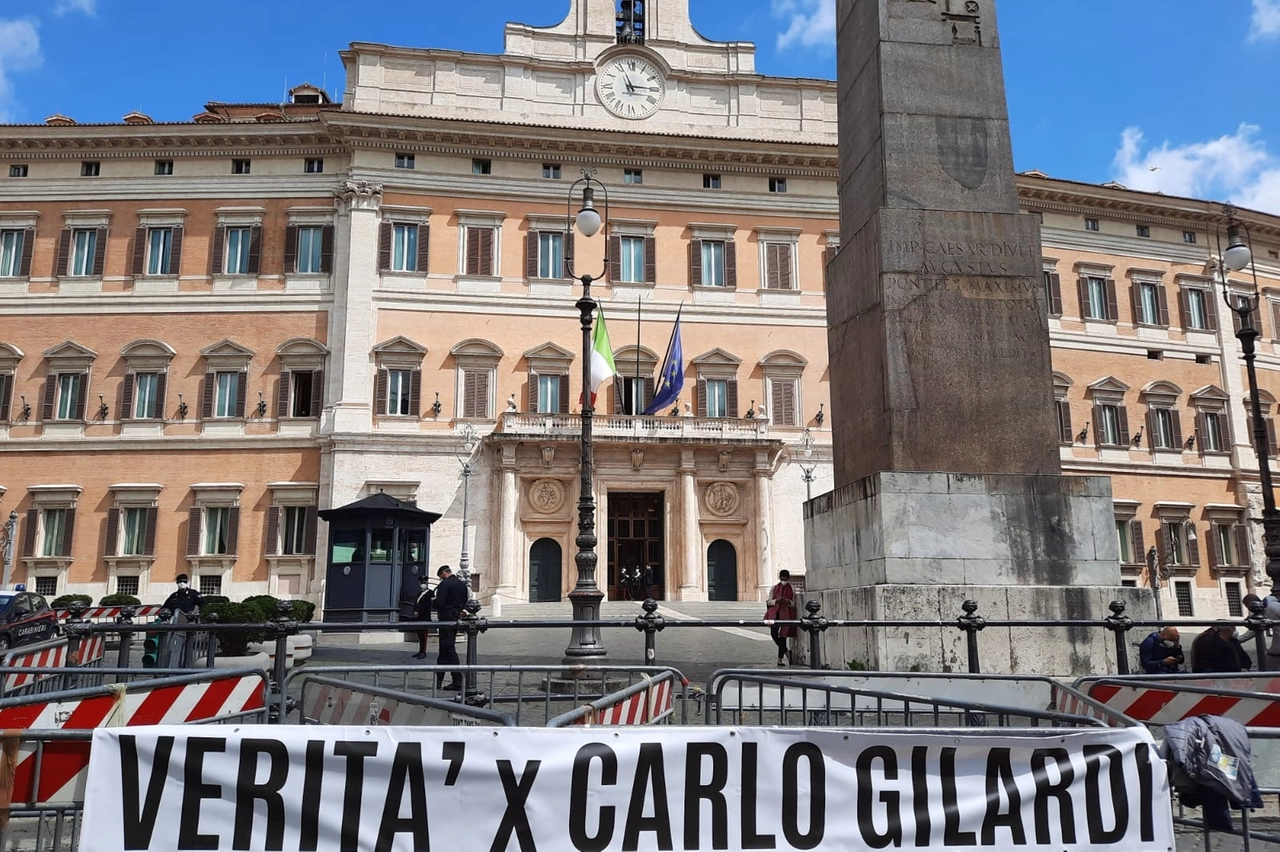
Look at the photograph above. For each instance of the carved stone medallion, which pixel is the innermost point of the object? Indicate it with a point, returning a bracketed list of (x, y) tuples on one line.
[(722, 499), (546, 496)]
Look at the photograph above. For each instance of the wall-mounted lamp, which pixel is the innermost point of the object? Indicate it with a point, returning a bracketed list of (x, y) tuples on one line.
[(1137, 439), (1191, 443), (436, 407), (820, 416), (260, 410), (1191, 533), (1084, 434), (675, 410), (182, 409), (25, 415), (103, 410), (751, 410)]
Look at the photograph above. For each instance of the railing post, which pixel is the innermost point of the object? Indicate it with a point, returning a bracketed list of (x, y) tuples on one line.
[(1120, 624), (972, 625), (650, 624), (126, 639), (816, 625), (211, 648), (74, 630), (1258, 622), (282, 626), (474, 625)]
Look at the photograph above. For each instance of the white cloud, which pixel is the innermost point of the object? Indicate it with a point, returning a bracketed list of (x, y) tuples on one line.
[(19, 51), (1266, 19), (89, 7), (1235, 167), (809, 23)]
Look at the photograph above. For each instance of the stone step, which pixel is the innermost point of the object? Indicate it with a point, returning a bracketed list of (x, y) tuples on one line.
[(610, 610)]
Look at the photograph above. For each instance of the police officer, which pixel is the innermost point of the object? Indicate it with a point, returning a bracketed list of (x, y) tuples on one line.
[(451, 599), (184, 598)]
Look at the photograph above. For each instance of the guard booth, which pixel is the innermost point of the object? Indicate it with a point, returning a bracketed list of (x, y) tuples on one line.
[(378, 551)]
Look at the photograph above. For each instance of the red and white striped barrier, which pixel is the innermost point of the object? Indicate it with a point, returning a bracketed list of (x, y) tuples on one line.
[(111, 613), (327, 704), (48, 655), (1162, 703), (92, 649), (642, 708)]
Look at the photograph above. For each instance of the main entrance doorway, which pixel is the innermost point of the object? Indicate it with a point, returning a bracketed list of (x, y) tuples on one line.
[(635, 546), (722, 571), (545, 560)]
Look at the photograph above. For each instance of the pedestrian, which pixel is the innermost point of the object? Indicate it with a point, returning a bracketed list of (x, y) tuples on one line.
[(451, 598), (1161, 652), (781, 607), (422, 612), (184, 599), (1218, 650)]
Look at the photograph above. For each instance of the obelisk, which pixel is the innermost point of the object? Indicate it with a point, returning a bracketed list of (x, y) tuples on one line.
[(947, 471)]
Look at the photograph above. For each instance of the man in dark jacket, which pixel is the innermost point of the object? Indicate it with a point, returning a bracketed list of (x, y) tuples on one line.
[(185, 598), (1218, 650), (1160, 653), (451, 598)]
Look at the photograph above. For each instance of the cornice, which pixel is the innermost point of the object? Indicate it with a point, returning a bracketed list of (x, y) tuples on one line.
[(124, 141)]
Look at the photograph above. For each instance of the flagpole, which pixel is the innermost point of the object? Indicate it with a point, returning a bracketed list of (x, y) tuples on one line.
[(639, 307)]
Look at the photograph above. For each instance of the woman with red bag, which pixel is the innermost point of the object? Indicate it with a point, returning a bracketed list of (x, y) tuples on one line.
[(781, 607)]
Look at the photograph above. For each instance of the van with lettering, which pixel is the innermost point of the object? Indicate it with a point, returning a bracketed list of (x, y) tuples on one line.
[(25, 619)]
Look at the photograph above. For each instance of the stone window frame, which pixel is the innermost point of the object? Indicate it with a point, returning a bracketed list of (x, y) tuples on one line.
[(10, 357), (28, 222), (225, 356), (479, 356), (790, 238), (300, 355), (148, 220), (1204, 285), (1052, 287), (309, 217), (1239, 290), (291, 495), (548, 359), (626, 359), (393, 215), (43, 498), (205, 496), (1210, 399), (784, 365), (1235, 519), (645, 229), (1062, 384), (1177, 513), (536, 225), (142, 356), (83, 220), (700, 232), (401, 489), (67, 358), (480, 219), (131, 495), (235, 217), (1126, 512), (1140, 278), (400, 353), (716, 365), (1085, 271), (1162, 395), (1110, 391)]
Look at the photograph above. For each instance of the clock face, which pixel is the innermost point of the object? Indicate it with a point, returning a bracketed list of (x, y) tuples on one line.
[(631, 87)]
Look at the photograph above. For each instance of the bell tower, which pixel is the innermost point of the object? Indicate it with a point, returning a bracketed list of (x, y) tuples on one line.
[(631, 21)]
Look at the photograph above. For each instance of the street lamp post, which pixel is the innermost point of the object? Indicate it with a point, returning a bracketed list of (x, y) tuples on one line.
[(8, 533), (1237, 256), (586, 644), (465, 451), (806, 471), (1153, 569)]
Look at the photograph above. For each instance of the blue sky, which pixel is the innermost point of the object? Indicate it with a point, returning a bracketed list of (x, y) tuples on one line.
[(1178, 96)]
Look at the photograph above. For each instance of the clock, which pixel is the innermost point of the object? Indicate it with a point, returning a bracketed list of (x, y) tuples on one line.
[(631, 86)]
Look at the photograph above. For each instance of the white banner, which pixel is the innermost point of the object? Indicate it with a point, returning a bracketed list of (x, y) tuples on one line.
[(340, 789)]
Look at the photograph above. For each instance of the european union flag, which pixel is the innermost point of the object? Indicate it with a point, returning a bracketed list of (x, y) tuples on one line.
[(671, 380)]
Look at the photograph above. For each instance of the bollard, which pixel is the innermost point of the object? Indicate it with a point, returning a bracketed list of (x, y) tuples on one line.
[(650, 624), (126, 640), (474, 625), (972, 625), (1120, 624), (816, 625), (74, 629), (1258, 622), (283, 626)]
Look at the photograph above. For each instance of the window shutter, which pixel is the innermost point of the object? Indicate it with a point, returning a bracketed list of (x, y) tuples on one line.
[(828, 255), (149, 534), (650, 260), (386, 232), (1215, 551), (1271, 436), (1162, 304), (78, 414), (64, 251), (100, 253), (380, 387), (564, 394), (1135, 301), (1241, 533), (1210, 311), (175, 252), (309, 531), (424, 249), (271, 539), (1113, 310), (1139, 546), (531, 257), (282, 394), (615, 258), (1123, 416), (126, 398), (1097, 425), (784, 267), (242, 392), (161, 384), (1176, 417), (1082, 290), (233, 530), (648, 393), (255, 249), (788, 417), (6, 396), (206, 395), (700, 407), (486, 251), (730, 264), (619, 395), (469, 393), (28, 245), (531, 398), (1055, 294), (111, 540), (1162, 545), (1152, 432), (29, 534), (291, 249), (731, 398), (1193, 549), (326, 249), (482, 394), (1184, 308), (68, 532), (216, 251), (317, 392), (139, 251), (415, 393), (473, 251), (194, 517), (772, 267), (1065, 434), (50, 388), (695, 263)]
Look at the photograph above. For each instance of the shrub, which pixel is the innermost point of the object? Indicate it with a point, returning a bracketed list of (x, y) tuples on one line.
[(264, 605), (64, 601), (303, 611), (119, 600), (234, 643), (216, 599)]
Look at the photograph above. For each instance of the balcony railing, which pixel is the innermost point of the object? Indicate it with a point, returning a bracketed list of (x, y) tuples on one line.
[(636, 428)]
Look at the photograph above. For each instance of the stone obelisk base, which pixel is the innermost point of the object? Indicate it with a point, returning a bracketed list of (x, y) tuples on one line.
[(915, 546)]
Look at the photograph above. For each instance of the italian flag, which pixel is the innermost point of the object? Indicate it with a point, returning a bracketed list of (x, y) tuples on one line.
[(602, 366)]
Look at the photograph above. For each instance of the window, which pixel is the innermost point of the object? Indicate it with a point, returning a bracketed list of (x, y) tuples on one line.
[(1165, 432), (402, 255), (146, 396), (1235, 607), (310, 257), (717, 398), (1144, 230), (713, 269), (632, 176), (90, 168), (1110, 425), (479, 250), (633, 395), (302, 393), (1229, 542), (1189, 237), (1212, 431), (782, 402), (238, 245), (15, 258), (404, 161), (210, 584), (1198, 309), (57, 526), (47, 586), (127, 585), (293, 530), (1149, 304), (475, 394), (164, 167), (84, 251), (549, 391), (134, 529), (631, 259), (1129, 584), (228, 396), (711, 181), (1174, 535), (480, 166), (160, 251), (778, 267), (241, 167), (777, 184), (1097, 296), (1053, 293), (217, 531), (550, 254), (313, 165), (1091, 224), (1182, 592), (19, 170), (399, 394), (551, 171), (70, 395)]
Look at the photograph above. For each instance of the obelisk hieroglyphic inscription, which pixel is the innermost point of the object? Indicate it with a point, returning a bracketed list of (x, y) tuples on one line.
[(939, 342)]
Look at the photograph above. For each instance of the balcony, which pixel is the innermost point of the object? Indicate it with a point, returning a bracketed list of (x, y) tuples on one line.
[(622, 428)]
